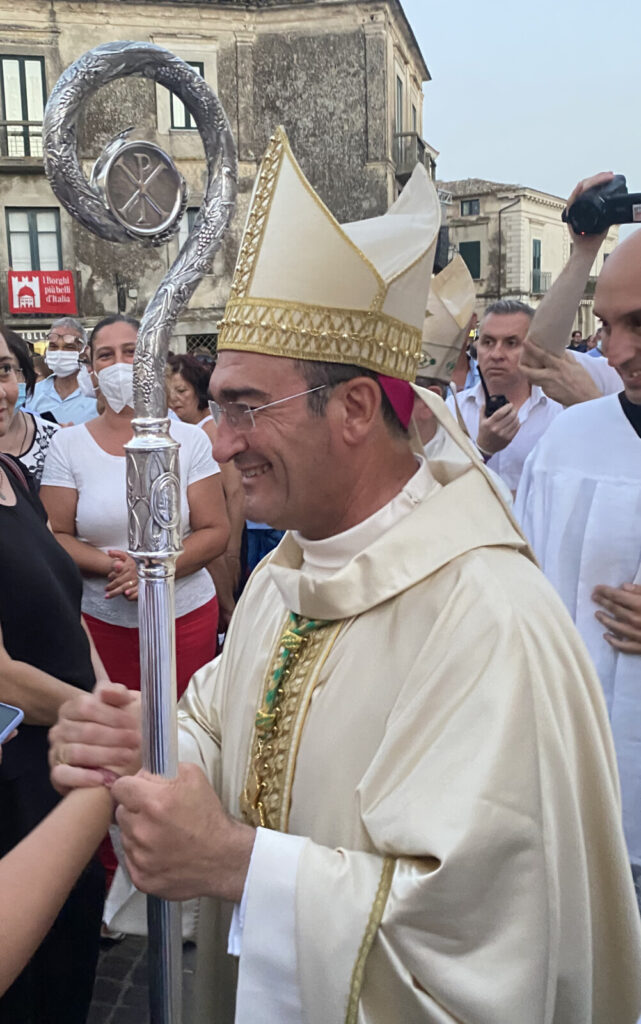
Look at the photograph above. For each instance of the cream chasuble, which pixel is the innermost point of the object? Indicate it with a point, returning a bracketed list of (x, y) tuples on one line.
[(580, 505), (444, 751)]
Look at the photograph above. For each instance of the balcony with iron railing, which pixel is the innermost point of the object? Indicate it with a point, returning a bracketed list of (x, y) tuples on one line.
[(541, 281), (408, 150), (21, 140)]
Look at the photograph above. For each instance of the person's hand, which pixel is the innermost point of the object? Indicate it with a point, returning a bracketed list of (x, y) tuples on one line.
[(497, 430), (123, 578), (562, 378), (588, 243), (622, 615), (96, 738), (178, 840)]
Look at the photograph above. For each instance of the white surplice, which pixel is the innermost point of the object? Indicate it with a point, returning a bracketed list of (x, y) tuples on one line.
[(579, 503)]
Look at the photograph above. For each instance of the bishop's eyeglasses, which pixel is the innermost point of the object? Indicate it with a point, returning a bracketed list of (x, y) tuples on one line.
[(240, 416)]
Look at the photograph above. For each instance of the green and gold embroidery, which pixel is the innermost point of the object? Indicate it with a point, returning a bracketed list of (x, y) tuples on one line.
[(300, 650)]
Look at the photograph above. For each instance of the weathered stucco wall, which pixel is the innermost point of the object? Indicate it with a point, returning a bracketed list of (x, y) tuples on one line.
[(323, 115), (322, 70)]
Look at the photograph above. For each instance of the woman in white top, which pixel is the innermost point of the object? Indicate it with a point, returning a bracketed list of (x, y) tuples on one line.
[(84, 491), (187, 391), (29, 436)]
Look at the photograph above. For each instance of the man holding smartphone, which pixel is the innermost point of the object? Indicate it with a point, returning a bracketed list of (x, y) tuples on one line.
[(505, 434)]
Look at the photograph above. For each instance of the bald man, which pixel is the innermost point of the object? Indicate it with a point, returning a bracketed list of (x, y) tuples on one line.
[(579, 500)]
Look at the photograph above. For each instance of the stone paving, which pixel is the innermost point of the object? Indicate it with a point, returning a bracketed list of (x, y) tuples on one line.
[(120, 992)]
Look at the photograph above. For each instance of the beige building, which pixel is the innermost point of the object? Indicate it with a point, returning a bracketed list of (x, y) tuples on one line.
[(344, 77), (514, 242)]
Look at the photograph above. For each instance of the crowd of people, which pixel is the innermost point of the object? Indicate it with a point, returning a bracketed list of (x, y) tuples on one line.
[(73, 619), (410, 783)]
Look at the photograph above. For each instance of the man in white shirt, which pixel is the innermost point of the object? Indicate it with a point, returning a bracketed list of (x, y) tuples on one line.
[(445, 334), (409, 833), (507, 437), (579, 500), (60, 394)]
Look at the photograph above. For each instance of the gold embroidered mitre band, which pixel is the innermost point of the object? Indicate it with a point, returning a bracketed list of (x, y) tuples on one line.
[(307, 287), (449, 309)]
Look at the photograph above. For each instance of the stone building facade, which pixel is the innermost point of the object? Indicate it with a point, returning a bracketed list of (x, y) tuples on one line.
[(344, 77), (514, 242)]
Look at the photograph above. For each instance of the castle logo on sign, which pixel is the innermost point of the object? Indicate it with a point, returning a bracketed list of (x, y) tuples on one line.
[(25, 292), (42, 291)]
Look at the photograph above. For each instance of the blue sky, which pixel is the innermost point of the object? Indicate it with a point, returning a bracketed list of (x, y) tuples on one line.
[(539, 94)]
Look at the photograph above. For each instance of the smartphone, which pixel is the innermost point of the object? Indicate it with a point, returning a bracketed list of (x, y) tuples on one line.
[(48, 416), (492, 402), (10, 719)]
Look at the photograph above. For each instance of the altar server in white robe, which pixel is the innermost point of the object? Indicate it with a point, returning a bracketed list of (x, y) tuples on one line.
[(579, 503), (402, 773)]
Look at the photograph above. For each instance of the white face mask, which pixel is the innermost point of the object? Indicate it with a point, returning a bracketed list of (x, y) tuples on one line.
[(62, 364), (117, 385), (85, 383)]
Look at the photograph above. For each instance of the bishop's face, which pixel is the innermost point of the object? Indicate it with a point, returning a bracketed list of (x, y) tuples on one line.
[(617, 301), (285, 459)]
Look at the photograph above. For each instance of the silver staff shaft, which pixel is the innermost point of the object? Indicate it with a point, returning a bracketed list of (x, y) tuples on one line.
[(122, 214), (158, 683), (153, 495)]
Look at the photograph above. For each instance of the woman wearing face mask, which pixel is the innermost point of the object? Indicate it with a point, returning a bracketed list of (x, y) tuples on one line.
[(28, 436), (84, 491)]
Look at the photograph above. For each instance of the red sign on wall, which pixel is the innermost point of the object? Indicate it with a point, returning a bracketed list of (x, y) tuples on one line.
[(42, 291)]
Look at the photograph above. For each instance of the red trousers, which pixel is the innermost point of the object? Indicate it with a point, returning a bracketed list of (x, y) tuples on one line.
[(119, 646), (119, 649)]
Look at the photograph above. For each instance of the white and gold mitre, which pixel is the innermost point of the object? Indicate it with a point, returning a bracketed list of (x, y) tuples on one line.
[(449, 308), (306, 287)]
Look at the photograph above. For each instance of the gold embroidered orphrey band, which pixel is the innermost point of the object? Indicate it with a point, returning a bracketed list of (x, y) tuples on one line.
[(370, 339), (265, 801), (373, 924)]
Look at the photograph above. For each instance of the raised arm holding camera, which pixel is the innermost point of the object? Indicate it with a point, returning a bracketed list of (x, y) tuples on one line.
[(554, 317), (571, 377)]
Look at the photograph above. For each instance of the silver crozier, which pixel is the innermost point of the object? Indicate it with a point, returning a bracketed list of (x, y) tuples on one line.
[(136, 193)]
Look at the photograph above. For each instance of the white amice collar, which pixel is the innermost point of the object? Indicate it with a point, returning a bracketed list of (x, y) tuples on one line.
[(324, 557)]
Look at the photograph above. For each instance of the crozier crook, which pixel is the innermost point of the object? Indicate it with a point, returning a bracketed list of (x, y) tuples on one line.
[(136, 193)]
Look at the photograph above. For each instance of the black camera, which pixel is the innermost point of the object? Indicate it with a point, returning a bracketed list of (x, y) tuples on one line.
[(600, 207)]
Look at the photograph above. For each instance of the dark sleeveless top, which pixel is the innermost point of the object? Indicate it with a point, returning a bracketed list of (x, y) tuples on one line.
[(40, 593)]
